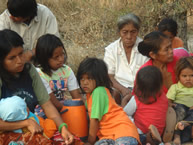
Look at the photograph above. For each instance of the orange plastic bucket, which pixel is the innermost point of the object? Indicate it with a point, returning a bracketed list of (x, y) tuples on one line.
[(75, 117)]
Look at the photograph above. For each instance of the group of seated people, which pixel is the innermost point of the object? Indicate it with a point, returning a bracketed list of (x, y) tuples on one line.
[(140, 93)]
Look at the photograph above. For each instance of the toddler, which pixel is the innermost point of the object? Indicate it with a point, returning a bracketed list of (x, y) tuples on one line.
[(148, 106), (180, 95)]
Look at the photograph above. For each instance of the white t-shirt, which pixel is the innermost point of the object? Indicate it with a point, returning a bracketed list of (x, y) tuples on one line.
[(63, 79), (118, 65)]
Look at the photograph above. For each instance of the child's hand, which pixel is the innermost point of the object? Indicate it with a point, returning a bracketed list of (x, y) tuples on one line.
[(67, 136)]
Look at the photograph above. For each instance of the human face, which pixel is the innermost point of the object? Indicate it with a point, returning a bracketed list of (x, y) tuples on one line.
[(87, 84), (186, 77), (57, 59), (165, 53), (169, 34), (128, 35), (18, 19), (14, 61)]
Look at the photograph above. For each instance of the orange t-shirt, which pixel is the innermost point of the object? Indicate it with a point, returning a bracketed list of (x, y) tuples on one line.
[(113, 121)]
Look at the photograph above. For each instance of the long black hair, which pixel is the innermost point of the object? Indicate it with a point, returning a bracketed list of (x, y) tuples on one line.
[(9, 39), (97, 70), (151, 43), (45, 47)]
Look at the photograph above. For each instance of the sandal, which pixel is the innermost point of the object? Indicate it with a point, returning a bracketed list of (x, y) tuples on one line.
[(153, 136), (170, 125)]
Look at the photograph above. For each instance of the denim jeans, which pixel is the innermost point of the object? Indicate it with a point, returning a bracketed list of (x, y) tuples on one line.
[(119, 141)]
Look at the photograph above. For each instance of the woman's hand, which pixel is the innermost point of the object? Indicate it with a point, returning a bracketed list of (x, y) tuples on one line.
[(125, 91), (127, 94), (126, 99), (67, 136), (33, 127)]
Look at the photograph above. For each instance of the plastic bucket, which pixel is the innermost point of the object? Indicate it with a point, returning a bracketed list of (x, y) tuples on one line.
[(75, 116)]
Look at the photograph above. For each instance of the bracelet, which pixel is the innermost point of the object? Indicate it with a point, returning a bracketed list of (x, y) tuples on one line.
[(61, 125)]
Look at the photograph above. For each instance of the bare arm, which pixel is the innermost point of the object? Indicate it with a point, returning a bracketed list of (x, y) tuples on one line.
[(55, 102), (76, 94), (31, 125), (53, 114), (94, 127)]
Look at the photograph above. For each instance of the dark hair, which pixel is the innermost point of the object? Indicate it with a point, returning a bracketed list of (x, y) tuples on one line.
[(185, 62), (151, 43), (45, 47), (97, 70), (9, 39), (22, 8), (128, 19), (149, 82), (169, 25)]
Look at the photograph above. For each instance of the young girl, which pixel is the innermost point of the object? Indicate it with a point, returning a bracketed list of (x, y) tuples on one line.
[(149, 104), (108, 121), (20, 78), (57, 77), (180, 95)]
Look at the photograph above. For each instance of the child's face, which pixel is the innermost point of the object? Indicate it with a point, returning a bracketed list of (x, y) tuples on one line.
[(169, 34), (57, 59), (87, 84), (186, 77), (14, 61)]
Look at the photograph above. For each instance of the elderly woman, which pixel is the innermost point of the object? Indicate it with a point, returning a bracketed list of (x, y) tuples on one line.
[(122, 56)]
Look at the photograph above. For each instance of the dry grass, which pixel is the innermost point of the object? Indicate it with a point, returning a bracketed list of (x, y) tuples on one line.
[(87, 26)]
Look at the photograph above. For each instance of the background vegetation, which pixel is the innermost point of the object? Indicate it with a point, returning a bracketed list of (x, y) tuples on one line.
[(88, 26)]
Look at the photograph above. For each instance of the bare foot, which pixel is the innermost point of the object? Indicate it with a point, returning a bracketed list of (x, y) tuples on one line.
[(177, 140)]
